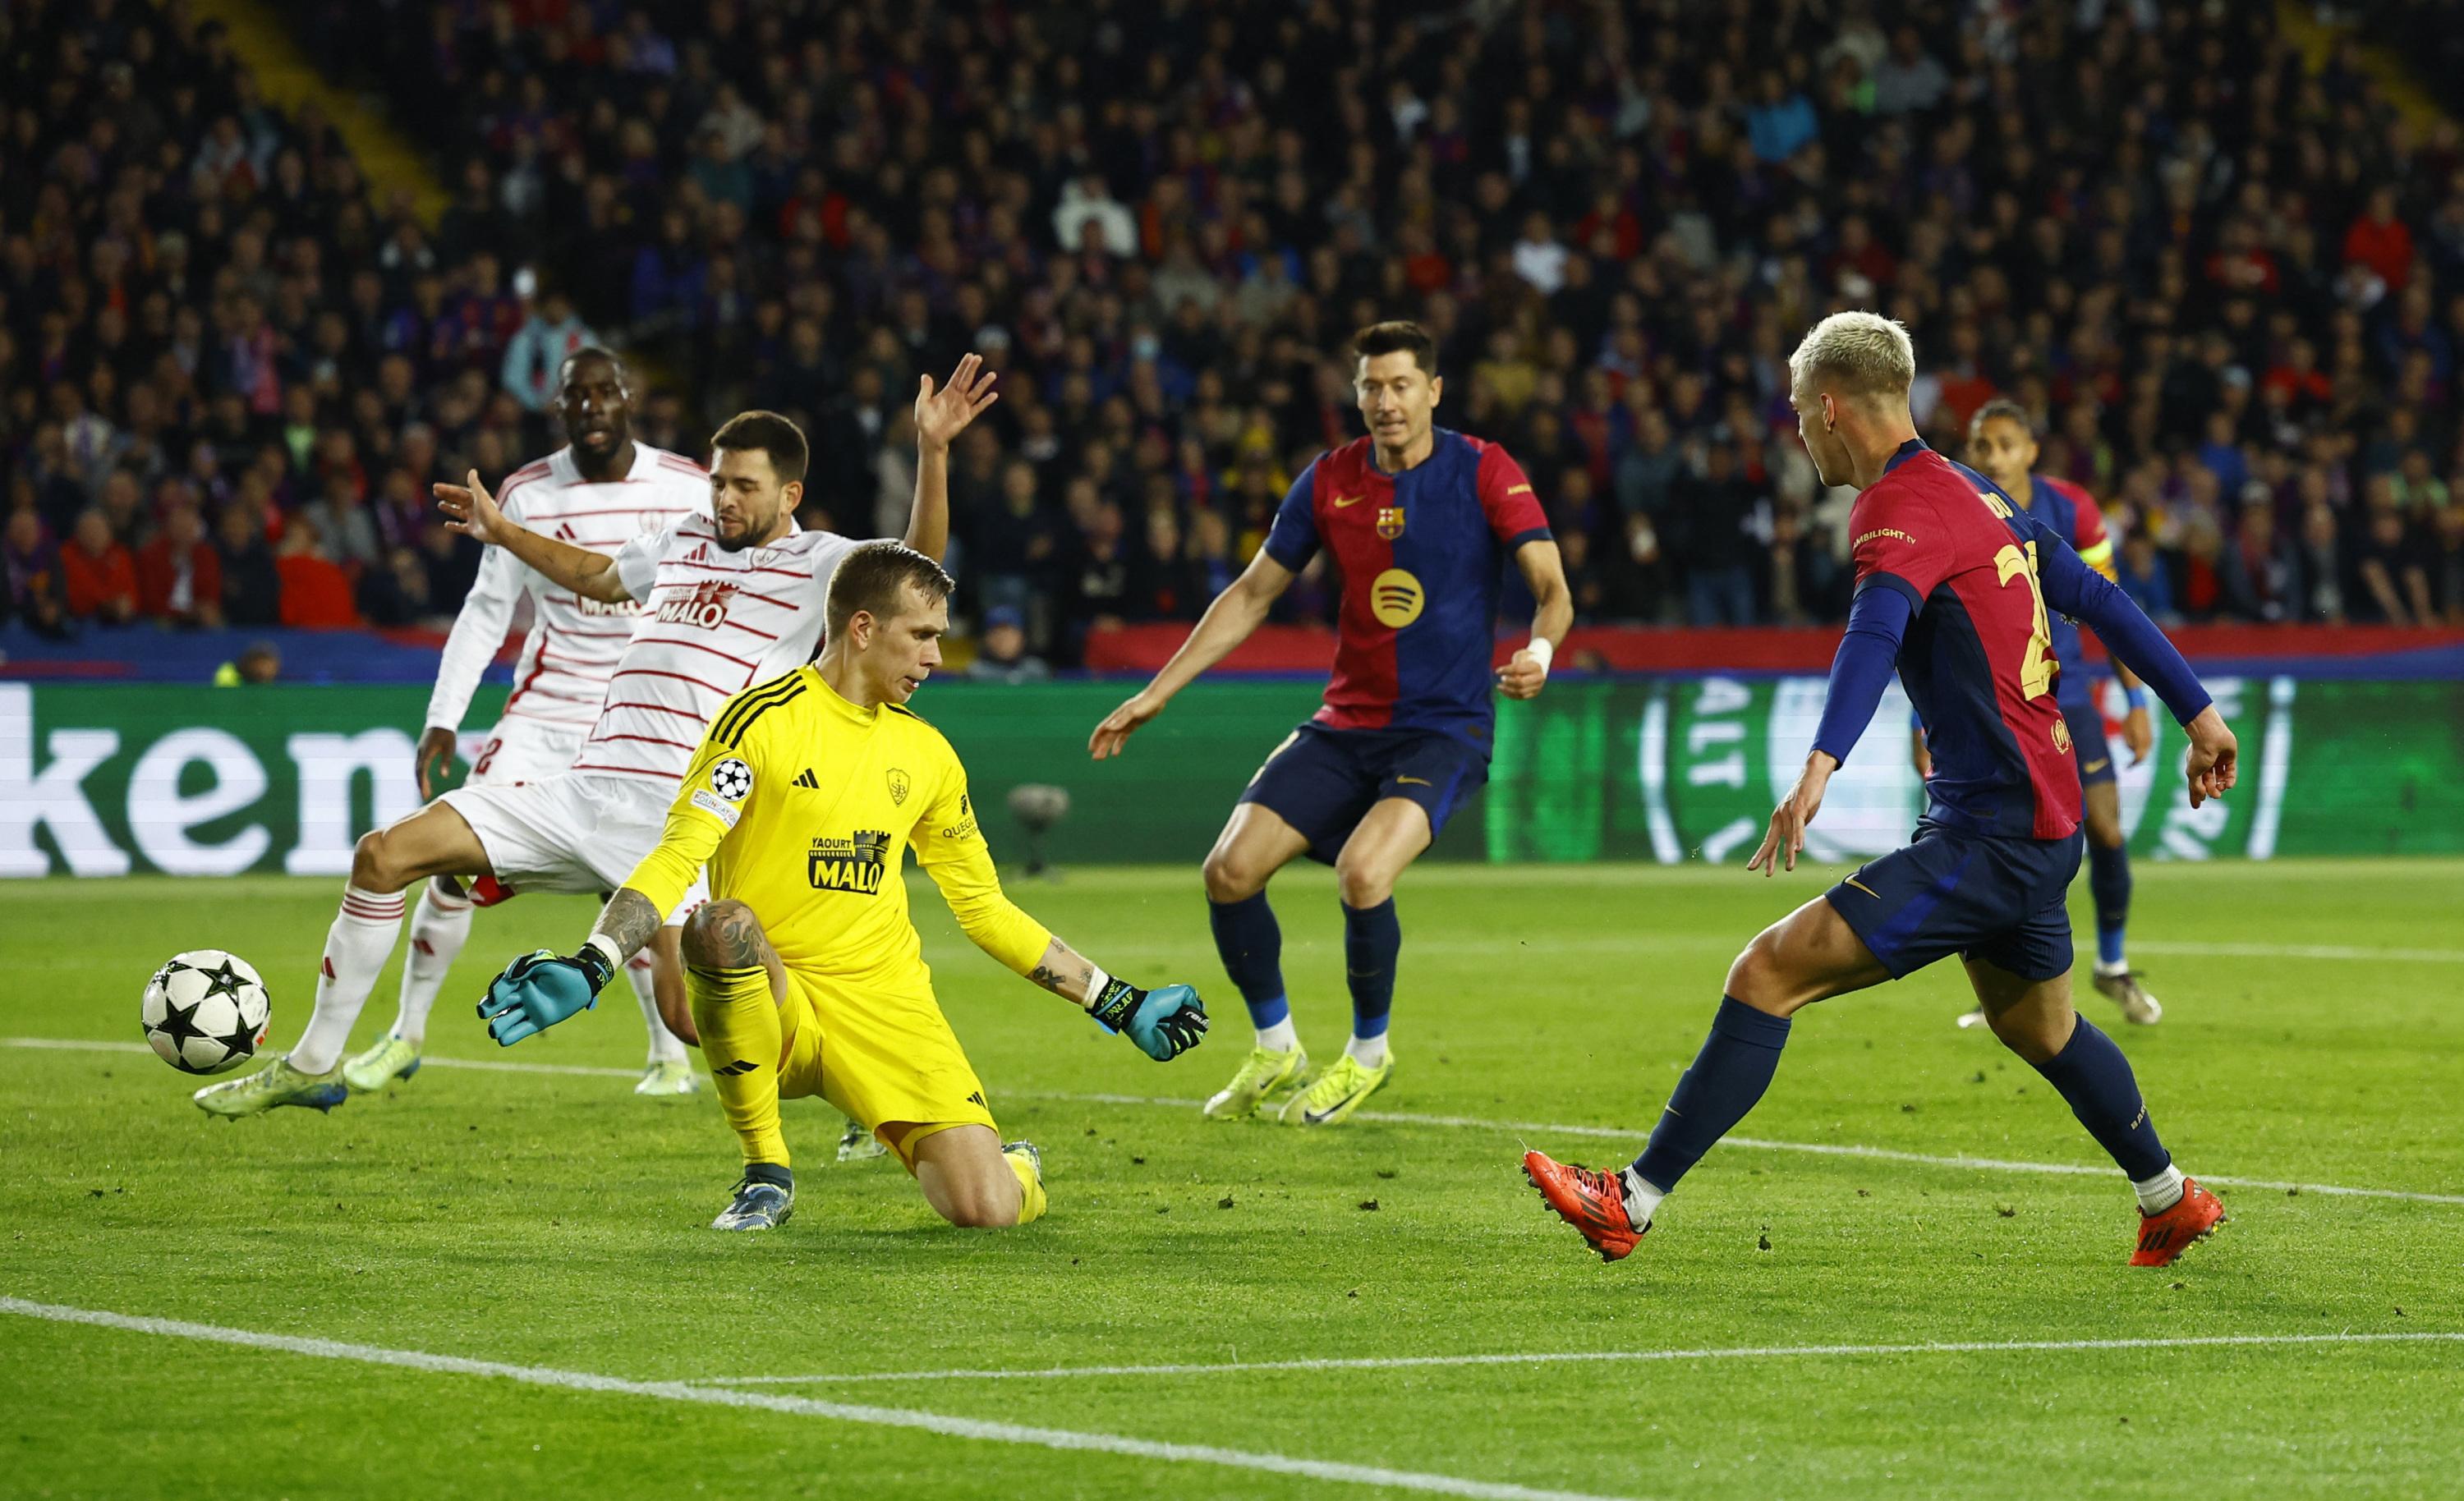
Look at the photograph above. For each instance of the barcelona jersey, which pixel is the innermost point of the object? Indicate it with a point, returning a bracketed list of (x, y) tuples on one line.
[(1421, 555), (2074, 516), (1977, 660)]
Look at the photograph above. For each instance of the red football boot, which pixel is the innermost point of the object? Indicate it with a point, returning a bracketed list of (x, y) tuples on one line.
[(488, 891), (1590, 1200), (2193, 1216)]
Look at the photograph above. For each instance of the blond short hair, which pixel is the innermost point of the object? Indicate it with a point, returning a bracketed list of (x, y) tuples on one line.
[(1858, 354)]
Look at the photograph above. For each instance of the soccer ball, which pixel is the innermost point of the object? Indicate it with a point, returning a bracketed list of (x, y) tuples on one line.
[(206, 1011)]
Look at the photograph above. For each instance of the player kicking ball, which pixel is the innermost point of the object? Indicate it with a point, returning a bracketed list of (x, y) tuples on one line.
[(1952, 585), (1419, 522), (805, 972)]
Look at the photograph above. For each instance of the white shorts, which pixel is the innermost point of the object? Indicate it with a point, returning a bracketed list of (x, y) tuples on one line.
[(523, 749), (573, 831)]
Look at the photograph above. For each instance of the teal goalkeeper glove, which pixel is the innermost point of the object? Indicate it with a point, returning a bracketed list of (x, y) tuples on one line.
[(540, 990), (1166, 1021)]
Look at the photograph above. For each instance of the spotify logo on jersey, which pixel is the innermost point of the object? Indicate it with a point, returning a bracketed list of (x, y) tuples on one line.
[(1396, 598)]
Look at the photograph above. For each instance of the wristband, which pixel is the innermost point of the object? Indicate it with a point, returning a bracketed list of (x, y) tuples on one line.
[(1096, 980), (1542, 649), (605, 947), (2136, 698)]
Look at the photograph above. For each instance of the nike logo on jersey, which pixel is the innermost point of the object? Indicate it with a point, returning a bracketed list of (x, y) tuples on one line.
[(1411, 781), (804, 779), (2094, 766), (1341, 501), (1862, 886)]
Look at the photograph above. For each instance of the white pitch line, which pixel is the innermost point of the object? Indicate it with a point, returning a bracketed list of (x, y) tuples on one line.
[(1594, 1357), (2340, 951), (943, 1424), (1471, 1122), (1544, 1128)]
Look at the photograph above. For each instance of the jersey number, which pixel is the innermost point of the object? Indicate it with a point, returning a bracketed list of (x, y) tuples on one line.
[(2036, 667)]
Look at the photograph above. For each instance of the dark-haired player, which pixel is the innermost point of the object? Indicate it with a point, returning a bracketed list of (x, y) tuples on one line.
[(805, 972), (2002, 446), (1952, 585), (599, 492), (1419, 522), (730, 599)]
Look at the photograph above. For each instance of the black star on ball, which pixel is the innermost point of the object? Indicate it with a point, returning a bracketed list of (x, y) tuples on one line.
[(241, 1042), (180, 1024), (223, 980)]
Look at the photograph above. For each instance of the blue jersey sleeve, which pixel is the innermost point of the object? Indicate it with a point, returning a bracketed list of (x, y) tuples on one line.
[(1293, 539), (2078, 589), (1868, 653)]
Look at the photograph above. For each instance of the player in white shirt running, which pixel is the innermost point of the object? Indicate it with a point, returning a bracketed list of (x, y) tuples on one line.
[(599, 492), (732, 599)]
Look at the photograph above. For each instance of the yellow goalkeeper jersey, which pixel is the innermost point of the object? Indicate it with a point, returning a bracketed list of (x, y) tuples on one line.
[(805, 805)]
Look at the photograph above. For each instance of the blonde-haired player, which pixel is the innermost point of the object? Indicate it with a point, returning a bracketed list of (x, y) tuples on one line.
[(805, 972)]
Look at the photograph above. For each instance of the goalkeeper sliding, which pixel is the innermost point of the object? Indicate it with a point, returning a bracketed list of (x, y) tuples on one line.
[(804, 973)]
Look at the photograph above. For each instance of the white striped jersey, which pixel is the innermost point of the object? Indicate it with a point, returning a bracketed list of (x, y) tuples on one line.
[(714, 622), (574, 642)]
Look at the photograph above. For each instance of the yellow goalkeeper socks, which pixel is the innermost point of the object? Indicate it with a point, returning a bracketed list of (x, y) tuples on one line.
[(741, 1036), (1030, 1185)]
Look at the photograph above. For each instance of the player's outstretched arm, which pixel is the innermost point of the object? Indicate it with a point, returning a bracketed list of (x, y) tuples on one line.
[(1164, 1022), (1227, 623), (1868, 653), (472, 510), (940, 416), (1544, 570)]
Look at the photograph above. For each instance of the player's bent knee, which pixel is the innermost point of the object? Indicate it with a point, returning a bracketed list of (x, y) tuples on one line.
[(375, 865), (722, 935), (1231, 878)]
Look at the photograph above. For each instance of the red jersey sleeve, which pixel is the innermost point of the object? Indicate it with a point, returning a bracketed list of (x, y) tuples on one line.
[(1513, 511), (2088, 534), (1899, 541)]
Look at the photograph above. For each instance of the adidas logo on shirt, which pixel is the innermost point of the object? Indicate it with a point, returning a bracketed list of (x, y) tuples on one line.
[(806, 780)]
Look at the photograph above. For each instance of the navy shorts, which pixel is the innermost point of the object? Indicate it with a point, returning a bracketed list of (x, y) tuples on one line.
[(1983, 896), (2089, 746), (1323, 782)]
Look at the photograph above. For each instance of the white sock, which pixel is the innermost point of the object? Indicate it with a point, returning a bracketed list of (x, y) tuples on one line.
[(1641, 1199), (1370, 1053), (356, 949), (2117, 967), (1281, 1037), (664, 1046), (2161, 1192), (439, 926)]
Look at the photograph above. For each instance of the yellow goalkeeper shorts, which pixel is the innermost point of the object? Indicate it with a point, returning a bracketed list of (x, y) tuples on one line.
[(885, 1058)]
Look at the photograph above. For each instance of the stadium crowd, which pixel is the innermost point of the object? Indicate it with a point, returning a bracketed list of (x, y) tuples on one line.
[(2231, 289)]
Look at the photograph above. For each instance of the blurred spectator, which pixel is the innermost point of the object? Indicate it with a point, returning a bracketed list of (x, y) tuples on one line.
[(315, 592), (2260, 578), (258, 664), (536, 352), (179, 576), (1000, 653), (1710, 513), (2322, 566), (37, 587), (2143, 575), (251, 586), (101, 578)]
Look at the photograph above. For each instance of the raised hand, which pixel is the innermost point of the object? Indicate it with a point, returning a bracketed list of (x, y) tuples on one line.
[(469, 510), (941, 415), (1113, 734)]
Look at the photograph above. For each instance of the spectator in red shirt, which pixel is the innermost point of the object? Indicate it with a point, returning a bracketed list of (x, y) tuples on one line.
[(179, 574), (101, 577), (315, 592), (2379, 240)]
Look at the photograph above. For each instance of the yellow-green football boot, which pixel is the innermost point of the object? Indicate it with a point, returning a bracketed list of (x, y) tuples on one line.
[(391, 1061), (278, 1083), (1333, 1094), (1262, 1074)]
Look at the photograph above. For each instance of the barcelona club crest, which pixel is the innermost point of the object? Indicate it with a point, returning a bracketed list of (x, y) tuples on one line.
[(1390, 522), (897, 786), (2061, 735)]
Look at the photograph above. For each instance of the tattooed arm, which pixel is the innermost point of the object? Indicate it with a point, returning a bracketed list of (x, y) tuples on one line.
[(1066, 973), (629, 921)]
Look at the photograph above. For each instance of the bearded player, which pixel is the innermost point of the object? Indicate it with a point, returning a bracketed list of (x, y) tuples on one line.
[(2002, 445), (1952, 585), (599, 492), (805, 973), (732, 600), (1419, 522)]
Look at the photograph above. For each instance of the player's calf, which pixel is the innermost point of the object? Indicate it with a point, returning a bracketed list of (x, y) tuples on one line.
[(970, 1180)]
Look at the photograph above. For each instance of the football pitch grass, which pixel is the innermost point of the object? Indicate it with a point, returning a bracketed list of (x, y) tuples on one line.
[(1906, 1279)]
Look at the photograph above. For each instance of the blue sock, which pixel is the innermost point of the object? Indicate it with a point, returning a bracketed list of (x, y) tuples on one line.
[(2108, 880), (1372, 940), (1730, 1073), (1251, 945), (2097, 1080)]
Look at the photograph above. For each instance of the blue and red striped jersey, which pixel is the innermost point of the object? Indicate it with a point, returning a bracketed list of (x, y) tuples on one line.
[(1977, 660), (2076, 518), (1421, 557)]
